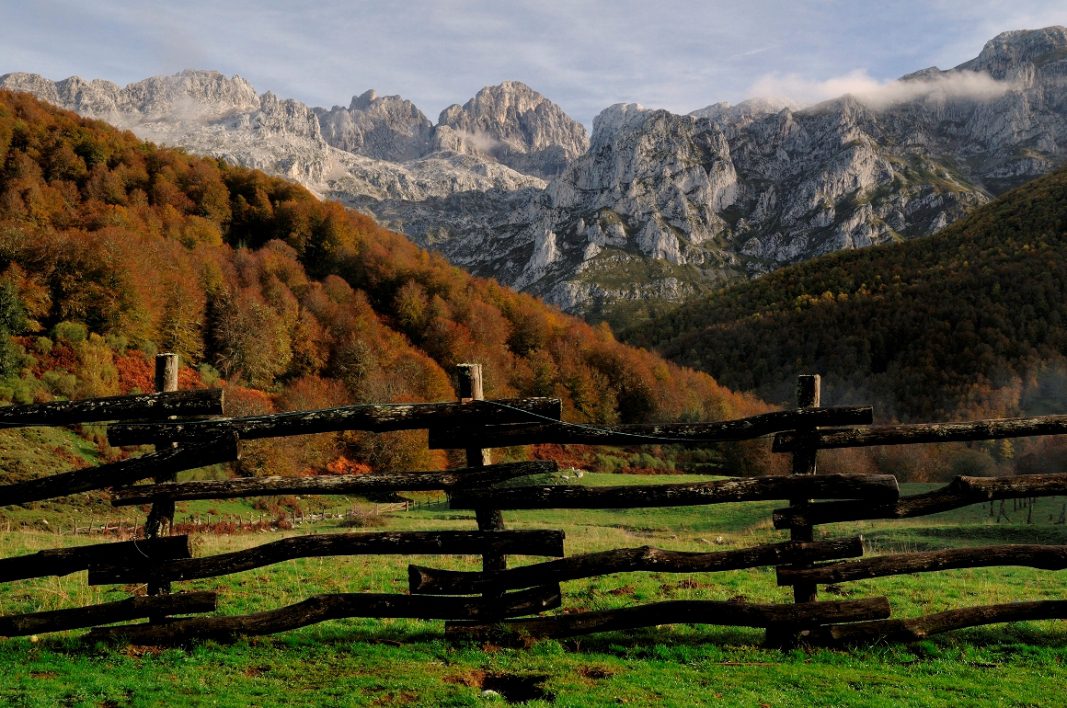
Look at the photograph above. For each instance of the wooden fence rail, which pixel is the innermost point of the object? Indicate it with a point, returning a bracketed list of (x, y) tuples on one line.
[(536, 543), (333, 484), (373, 418), (960, 492), (526, 433)]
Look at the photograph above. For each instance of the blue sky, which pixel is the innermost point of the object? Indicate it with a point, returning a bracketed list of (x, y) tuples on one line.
[(583, 54)]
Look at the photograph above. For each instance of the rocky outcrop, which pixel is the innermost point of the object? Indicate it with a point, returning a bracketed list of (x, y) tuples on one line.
[(516, 126), (381, 127)]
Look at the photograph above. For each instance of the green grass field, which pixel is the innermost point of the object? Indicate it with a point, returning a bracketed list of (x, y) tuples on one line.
[(382, 662)]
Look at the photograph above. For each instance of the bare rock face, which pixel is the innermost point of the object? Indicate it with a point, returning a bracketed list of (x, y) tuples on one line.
[(516, 126), (381, 127)]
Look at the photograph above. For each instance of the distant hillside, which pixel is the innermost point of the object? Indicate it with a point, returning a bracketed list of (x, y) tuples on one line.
[(972, 320), (112, 249)]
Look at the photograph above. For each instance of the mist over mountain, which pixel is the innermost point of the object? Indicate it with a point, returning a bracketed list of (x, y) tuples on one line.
[(653, 206)]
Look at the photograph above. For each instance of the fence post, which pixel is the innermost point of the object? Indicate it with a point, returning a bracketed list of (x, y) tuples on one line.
[(809, 395), (470, 388), (161, 515)]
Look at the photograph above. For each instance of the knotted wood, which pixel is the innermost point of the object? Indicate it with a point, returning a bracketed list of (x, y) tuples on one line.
[(625, 560), (1025, 555), (960, 492), (738, 614), (878, 487), (505, 435), (537, 543), (375, 418), (107, 613), (117, 474), (63, 561), (326, 607), (331, 484)]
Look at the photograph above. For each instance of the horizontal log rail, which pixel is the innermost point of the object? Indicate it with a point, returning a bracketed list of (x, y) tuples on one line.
[(374, 418), (926, 433), (960, 492), (330, 484), (879, 487), (63, 561), (537, 543), (739, 614), (917, 628), (1026, 555), (92, 410), (116, 474), (506, 435), (327, 607), (107, 613), (624, 560)]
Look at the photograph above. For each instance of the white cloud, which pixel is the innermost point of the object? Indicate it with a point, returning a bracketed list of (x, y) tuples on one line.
[(880, 94)]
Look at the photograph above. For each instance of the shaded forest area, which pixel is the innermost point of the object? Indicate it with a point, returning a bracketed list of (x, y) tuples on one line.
[(112, 249)]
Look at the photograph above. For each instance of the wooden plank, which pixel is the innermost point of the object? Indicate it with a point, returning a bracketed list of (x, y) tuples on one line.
[(107, 613), (626, 560), (880, 487), (960, 492), (375, 418), (330, 484), (538, 543), (117, 474), (929, 433), (498, 434), (917, 628), (1025, 555), (63, 561), (321, 608), (92, 410), (737, 614)]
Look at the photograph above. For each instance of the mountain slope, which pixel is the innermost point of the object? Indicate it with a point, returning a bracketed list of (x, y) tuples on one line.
[(971, 321), (111, 249)]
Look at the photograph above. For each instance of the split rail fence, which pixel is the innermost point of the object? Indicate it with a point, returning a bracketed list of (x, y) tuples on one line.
[(500, 601)]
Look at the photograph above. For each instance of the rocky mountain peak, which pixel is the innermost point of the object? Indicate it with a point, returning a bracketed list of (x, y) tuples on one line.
[(380, 127), (516, 126), (1004, 55)]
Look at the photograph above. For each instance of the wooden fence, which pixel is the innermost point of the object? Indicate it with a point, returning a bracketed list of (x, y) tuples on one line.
[(499, 601)]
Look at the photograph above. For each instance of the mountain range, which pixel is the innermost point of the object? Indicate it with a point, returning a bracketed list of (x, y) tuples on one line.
[(653, 205)]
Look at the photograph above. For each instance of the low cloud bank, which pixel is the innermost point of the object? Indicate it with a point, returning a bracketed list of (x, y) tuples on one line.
[(877, 94)]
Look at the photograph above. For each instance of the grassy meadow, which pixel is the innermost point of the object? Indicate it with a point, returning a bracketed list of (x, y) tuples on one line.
[(406, 662)]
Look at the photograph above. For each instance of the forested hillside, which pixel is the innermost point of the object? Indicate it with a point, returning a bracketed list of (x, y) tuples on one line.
[(969, 322), (112, 249)]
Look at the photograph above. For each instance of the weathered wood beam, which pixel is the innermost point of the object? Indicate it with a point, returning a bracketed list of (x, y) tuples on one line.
[(739, 614), (506, 435), (537, 543), (917, 628), (960, 492), (327, 607), (1026, 555), (330, 484), (625, 560), (375, 418), (929, 433), (879, 487), (92, 410), (107, 613), (222, 448), (63, 561)]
